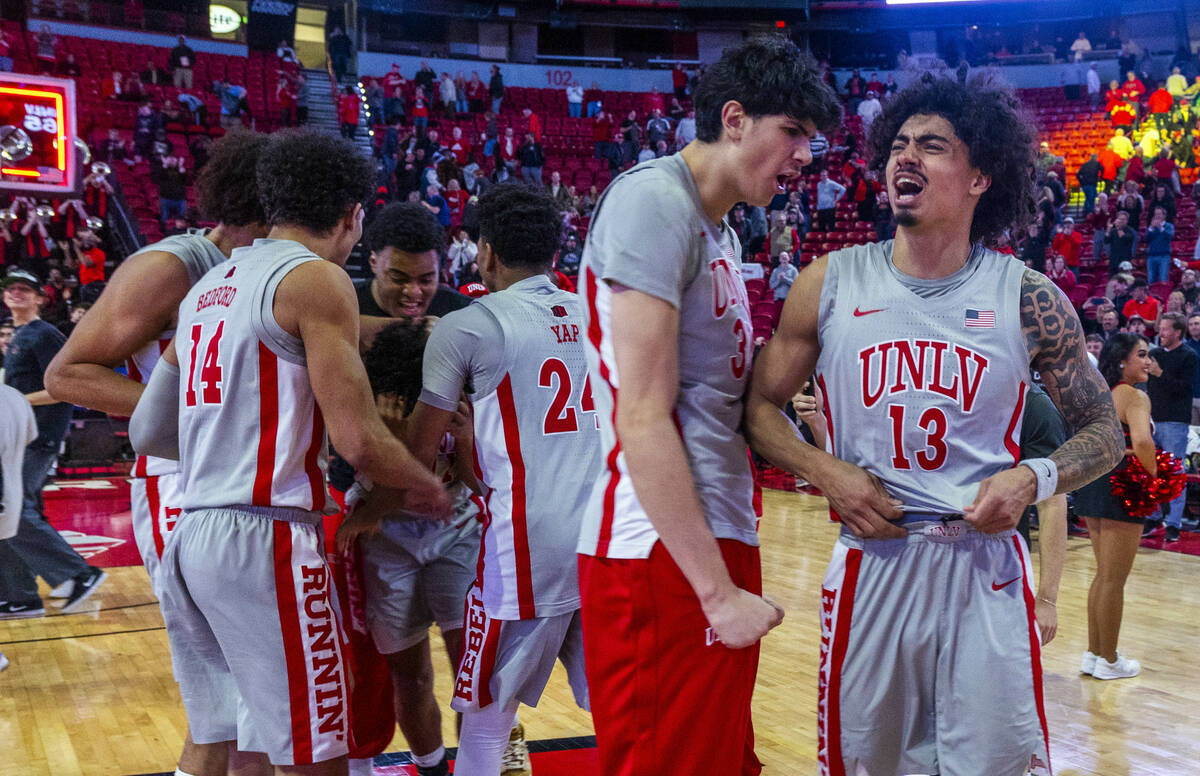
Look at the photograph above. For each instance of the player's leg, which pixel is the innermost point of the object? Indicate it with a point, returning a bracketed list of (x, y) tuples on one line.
[(990, 710), (485, 734), (417, 711)]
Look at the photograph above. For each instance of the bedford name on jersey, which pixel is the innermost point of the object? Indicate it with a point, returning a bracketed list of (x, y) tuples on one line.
[(921, 365)]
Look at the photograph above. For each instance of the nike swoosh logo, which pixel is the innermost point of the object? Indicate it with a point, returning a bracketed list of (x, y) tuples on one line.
[(1004, 585), (860, 313)]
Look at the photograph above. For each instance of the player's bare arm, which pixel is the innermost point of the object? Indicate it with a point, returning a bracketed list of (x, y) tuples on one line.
[(1055, 341), (316, 302), (1052, 553), (1056, 348), (787, 360), (139, 302), (645, 336)]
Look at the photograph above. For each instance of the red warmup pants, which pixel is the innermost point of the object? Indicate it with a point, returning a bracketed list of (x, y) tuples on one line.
[(665, 697), (372, 713)]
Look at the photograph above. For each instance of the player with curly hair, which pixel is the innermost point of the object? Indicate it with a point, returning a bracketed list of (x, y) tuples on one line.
[(922, 347), (669, 559), (265, 361), (134, 319)]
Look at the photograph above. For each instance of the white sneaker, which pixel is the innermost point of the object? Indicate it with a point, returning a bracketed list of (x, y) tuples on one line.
[(64, 590), (1088, 664), (3, 662), (515, 761), (1121, 668)]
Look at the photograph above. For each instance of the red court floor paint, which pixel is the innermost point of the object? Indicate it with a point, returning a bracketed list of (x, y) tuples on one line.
[(93, 516)]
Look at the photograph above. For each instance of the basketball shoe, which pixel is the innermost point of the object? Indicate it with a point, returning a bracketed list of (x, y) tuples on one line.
[(19, 610), (86, 583), (515, 761), (1121, 668), (1088, 664)]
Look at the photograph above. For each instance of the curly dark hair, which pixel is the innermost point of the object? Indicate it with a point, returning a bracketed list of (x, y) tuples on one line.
[(310, 179), (769, 76), (406, 226), (998, 133), (521, 224), (393, 361), (1113, 355), (227, 188)]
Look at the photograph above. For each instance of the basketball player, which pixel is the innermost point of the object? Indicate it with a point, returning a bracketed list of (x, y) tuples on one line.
[(922, 347), (134, 320), (268, 357), (518, 354), (415, 572), (669, 565)]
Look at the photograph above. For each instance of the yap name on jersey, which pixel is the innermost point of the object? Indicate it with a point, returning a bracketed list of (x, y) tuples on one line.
[(928, 365)]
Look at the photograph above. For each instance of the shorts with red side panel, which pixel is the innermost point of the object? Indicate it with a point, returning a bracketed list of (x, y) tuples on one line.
[(666, 696), (510, 661), (930, 656), (153, 510), (254, 633), (372, 713)]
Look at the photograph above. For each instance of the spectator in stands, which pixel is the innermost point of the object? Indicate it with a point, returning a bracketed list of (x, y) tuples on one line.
[(1172, 376), (559, 193), (198, 146), (1061, 274), (1088, 177), (91, 258), (1110, 164), (1133, 88), (782, 277), (1141, 303), (1121, 240), (631, 137), (532, 160), (856, 90), (1046, 159), (534, 122), (420, 111), (447, 94), (1058, 194), (435, 203), (338, 45), (496, 89), (1131, 202), (679, 81), (285, 93), (460, 146), (869, 109), (1162, 197), (456, 201), (172, 113), (475, 90), (113, 149), (1110, 323), (574, 99), (181, 61), (300, 83), (1067, 243), (6, 335), (1080, 46), (1033, 246), (829, 193), (233, 98), (170, 175), (657, 128), (685, 130), (602, 130), (46, 49), (373, 95), (1159, 234), (6, 61), (286, 59), (1188, 287), (160, 147), (1123, 113), (426, 77), (461, 104), (1167, 174), (68, 67), (1093, 86), (57, 293), (146, 124), (1098, 218), (784, 236), (1136, 324)]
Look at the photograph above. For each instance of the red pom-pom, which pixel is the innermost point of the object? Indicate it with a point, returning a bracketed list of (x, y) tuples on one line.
[(1138, 493)]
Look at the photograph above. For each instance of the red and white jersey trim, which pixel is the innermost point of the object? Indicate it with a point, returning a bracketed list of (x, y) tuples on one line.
[(139, 367)]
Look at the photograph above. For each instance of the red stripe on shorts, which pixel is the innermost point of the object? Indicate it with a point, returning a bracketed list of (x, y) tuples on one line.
[(316, 480), (268, 414), (293, 645), (153, 504), (487, 660), (1014, 445), (512, 443), (1035, 644), (833, 712)]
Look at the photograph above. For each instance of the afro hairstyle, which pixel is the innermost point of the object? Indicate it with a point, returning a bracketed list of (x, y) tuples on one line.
[(312, 179), (405, 226), (521, 223), (227, 188), (999, 136), (393, 362)]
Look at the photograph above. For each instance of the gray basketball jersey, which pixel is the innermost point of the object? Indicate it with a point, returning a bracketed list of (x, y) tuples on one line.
[(250, 431), (537, 444), (651, 234), (198, 255), (926, 391)]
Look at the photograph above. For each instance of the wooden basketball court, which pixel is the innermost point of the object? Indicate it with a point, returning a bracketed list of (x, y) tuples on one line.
[(92, 693)]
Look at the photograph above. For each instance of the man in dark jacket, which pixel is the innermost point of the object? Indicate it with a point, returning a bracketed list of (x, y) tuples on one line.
[(532, 159), (1089, 177), (183, 59), (1170, 390)]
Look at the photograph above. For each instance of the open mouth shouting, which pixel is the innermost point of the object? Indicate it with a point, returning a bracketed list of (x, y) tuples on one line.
[(782, 180), (908, 186)]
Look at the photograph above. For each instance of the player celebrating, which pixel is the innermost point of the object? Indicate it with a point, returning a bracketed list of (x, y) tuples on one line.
[(922, 347), (268, 356), (669, 566), (518, 355), (134, 320)]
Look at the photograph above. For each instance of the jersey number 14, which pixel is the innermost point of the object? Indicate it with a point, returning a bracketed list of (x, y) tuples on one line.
[(210, 370)]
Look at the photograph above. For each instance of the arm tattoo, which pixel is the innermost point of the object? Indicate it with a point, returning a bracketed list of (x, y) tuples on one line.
[(1055, 341)]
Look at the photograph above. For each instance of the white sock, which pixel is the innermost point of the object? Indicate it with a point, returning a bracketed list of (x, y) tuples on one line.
[(431, 759), (483, 739), (360, 766)]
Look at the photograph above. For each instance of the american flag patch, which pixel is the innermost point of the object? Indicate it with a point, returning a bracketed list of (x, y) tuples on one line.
[(980, 319)]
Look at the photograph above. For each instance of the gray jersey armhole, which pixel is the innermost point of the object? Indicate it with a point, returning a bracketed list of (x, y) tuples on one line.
[(509, 354), (262, 313), (828, 302)]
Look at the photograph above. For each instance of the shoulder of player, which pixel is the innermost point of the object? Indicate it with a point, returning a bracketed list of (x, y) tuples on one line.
[(315, 285), (149, 277), (630, 192)]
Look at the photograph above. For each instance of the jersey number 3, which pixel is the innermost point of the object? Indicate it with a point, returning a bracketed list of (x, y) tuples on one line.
[(561, 417), (210, 371)]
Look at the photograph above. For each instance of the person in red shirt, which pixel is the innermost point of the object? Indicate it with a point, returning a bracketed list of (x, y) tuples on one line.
[(420, 111), (535, 123), (1113, 96), (1067, 243), (1061, 274), (91, 259), (1160, 101), (1164, 170), (679, 80), (476, 93), (1123, 114), (348, 112), (601, 133), (1140, 302), (1110, 162), (1136, 171), (460, 146), (286, 93), (456, 200), (393, 79), (1133, 88), (874, 85)]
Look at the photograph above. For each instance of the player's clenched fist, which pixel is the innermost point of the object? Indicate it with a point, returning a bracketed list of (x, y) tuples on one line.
[(741, 618), (1001, 500)]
